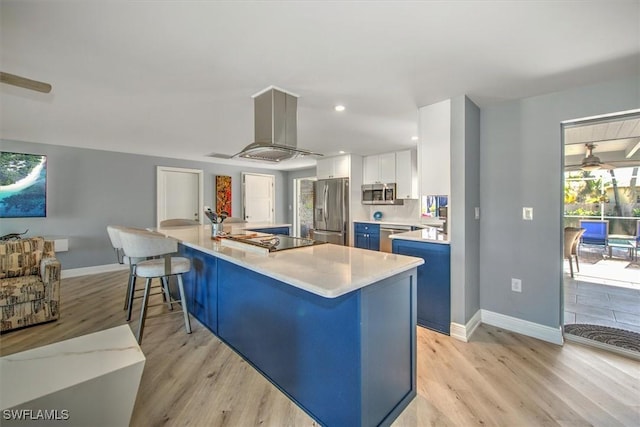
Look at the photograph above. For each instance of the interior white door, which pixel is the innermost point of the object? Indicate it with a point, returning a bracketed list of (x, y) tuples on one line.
[(179, 193), (258, 197)]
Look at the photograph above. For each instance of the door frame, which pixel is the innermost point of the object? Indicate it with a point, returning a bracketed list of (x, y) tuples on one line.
[(161, 190), (272, 195), (296, 188), (564, 125)]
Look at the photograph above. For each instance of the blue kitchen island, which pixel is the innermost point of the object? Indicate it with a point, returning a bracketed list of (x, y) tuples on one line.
[(333, 327)]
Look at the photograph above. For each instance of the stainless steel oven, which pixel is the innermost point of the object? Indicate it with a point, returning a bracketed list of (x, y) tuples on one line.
[(386, 231), (380, 194)]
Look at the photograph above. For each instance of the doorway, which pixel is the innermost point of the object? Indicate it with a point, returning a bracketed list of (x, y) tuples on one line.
[(602, 196), (303, 206), (258, 197), (179, 193)]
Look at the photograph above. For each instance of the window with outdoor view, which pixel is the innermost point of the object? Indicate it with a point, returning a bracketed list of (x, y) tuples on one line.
[(603, 194)]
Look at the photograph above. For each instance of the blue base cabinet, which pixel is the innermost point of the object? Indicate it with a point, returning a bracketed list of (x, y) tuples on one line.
[(348, 361), (200, 287), (366, 236), (434, 282), (275, 230)]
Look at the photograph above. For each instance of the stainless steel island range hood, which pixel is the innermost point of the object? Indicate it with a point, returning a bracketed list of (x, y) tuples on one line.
[(275, 126)]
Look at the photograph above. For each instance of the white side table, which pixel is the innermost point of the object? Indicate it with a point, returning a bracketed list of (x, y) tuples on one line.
[(60, 244), (90, 380)]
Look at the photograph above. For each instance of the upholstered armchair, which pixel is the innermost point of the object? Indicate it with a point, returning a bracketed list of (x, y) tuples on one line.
[(29, 283)]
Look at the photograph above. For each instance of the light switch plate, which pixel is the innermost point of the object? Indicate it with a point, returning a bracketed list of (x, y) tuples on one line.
[(527, 214), (477, 212)]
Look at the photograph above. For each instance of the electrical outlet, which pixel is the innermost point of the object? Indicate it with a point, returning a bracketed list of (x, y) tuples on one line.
[(516, 285)]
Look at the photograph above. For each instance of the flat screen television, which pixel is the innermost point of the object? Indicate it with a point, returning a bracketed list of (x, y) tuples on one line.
[(23, 185)]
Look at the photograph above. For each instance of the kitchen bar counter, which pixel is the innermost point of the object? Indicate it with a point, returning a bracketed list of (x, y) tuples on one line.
[(428, 234), (333, 327), (392, 223), (326, 270), (254, 225)]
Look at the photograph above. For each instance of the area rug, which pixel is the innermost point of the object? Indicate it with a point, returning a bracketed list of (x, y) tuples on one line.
[(604, 334)]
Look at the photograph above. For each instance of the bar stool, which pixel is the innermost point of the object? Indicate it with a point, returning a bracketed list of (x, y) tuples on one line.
[(149, 244), (176, 222), (114, 236)]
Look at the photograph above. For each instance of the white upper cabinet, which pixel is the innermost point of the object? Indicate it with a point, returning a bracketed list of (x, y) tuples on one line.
[(333, 167), (406, 174), (369, 169), (400, 168), (379, 168), (387, 167), (434, 149)]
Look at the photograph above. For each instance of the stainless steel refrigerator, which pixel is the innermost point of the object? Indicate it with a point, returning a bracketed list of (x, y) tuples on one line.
[(331, 210)]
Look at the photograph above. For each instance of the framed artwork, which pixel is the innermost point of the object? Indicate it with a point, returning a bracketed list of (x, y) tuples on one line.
[(23, 185), (223, 194)]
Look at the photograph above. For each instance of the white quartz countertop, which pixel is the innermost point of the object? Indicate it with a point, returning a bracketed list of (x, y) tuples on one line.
[(428, 234), (231, 227), (251, 225), (390, 223), (327, 270)]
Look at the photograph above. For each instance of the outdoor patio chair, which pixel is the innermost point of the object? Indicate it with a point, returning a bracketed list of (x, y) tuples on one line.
[(571, 238), (596, 232)]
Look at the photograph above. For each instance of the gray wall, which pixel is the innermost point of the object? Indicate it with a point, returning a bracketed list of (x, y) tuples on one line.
[(521, 165), (465, 196), (90, 189)]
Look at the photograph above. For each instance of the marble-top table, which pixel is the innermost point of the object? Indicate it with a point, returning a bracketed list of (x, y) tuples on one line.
[(89, 380)]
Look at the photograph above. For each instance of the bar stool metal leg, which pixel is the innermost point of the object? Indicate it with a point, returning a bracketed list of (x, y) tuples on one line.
[(143, 310), (183, 303), (132, 291), (166, 294), (131, 283)]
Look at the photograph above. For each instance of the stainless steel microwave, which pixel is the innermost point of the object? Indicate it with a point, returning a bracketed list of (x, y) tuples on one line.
[(380, 194)]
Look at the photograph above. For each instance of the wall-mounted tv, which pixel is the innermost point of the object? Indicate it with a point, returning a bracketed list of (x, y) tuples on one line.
[(23, 185)]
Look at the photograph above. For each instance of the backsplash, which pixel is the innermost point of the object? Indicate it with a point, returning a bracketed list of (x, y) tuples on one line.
[(408, 212)]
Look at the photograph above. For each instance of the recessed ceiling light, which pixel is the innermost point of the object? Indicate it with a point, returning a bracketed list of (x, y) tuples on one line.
[(414, 138), (339, 107)]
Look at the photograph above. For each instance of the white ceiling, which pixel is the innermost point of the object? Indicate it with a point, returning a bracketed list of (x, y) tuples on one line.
[(175, 78)]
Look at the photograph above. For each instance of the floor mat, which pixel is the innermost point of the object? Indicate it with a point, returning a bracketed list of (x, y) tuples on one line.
[(604, 334)]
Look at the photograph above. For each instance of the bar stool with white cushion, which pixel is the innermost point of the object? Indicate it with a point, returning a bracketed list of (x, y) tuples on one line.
[(177, 222), (114, 236), (150, 244)]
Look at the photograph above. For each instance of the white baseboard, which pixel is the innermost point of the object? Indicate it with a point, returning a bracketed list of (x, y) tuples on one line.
[(96, 269), (524, 327), (464, 332)]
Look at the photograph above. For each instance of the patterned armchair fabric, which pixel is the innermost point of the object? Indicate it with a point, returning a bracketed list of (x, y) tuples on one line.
[(29, 283)]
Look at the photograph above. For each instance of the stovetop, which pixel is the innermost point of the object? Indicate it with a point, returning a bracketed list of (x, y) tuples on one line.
[(278, 242)]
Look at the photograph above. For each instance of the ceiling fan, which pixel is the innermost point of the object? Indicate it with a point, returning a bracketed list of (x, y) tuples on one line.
[(592, 162), (23, 82)]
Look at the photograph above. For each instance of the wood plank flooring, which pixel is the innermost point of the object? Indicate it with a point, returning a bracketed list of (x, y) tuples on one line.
[(498, 379)]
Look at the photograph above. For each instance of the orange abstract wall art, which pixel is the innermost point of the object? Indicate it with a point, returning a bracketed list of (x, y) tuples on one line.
[(223, 194)]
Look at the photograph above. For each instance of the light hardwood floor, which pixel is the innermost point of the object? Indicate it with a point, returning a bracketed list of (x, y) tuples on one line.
[(497, 379)]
